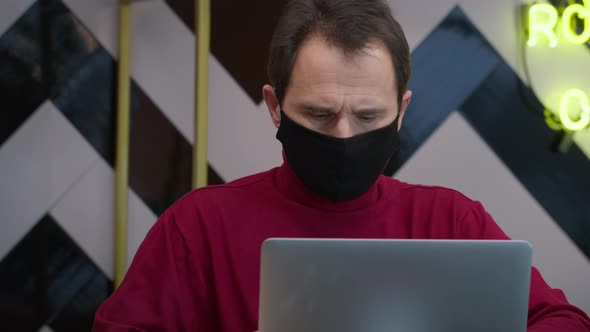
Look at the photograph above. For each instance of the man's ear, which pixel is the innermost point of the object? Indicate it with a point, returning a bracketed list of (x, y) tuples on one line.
[(272, 103), (406, 99)]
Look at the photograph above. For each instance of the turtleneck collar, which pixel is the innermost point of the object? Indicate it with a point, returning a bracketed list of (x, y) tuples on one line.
[(289, 185)]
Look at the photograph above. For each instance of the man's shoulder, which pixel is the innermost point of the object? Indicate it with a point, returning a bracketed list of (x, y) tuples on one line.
[(438, 207), (244, 182), (412, 191), (224, 193)]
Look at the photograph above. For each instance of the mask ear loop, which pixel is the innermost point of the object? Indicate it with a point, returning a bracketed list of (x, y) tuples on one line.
[(281, 110), (388, 169)]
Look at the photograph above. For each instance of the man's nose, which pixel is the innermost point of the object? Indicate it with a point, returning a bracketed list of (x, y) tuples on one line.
[(342, 128)]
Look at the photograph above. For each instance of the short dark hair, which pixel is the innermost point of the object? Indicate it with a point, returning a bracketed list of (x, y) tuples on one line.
[(346, 24)]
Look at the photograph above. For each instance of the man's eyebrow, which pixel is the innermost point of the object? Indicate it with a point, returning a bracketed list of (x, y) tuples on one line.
[(317, 108), (327, 109), (371, 110)]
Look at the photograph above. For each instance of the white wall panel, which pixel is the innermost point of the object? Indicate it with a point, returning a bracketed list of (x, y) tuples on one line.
[(39, 162)]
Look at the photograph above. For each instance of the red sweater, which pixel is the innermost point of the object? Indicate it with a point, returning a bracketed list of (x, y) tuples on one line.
[(198, 267)]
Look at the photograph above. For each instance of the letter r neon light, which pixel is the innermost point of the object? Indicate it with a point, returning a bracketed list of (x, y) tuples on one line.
[(542, 20)]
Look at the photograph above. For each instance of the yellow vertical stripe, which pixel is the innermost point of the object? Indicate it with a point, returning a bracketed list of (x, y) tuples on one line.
[(122, 153), (202, 33)]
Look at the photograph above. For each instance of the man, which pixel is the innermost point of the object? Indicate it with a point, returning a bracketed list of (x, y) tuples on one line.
[(339, 71)]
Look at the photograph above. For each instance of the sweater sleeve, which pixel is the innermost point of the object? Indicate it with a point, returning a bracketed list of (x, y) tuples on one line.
[(549, 310), (164, 289)]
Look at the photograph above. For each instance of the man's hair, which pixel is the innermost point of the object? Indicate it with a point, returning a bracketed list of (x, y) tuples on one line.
[(346, 24)]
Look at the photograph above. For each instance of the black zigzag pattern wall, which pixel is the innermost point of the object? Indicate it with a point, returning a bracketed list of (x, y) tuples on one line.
[(53, 69)]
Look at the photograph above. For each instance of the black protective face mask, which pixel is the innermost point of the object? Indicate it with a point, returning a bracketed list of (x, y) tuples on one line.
[(338, 169)]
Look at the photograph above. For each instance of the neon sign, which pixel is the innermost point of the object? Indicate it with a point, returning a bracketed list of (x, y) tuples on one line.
[(543, 22), (565, 113)]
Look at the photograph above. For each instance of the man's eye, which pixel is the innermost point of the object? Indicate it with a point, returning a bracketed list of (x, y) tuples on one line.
[(321, 116), (366, 118)]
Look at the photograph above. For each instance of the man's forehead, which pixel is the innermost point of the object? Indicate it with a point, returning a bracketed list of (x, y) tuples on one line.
[(316, 48), (327, 67)]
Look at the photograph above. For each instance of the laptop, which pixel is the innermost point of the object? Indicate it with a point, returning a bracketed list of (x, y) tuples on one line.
[(340, 285)]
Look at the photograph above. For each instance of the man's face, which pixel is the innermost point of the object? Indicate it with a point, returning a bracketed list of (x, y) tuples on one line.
[(339, 95)]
